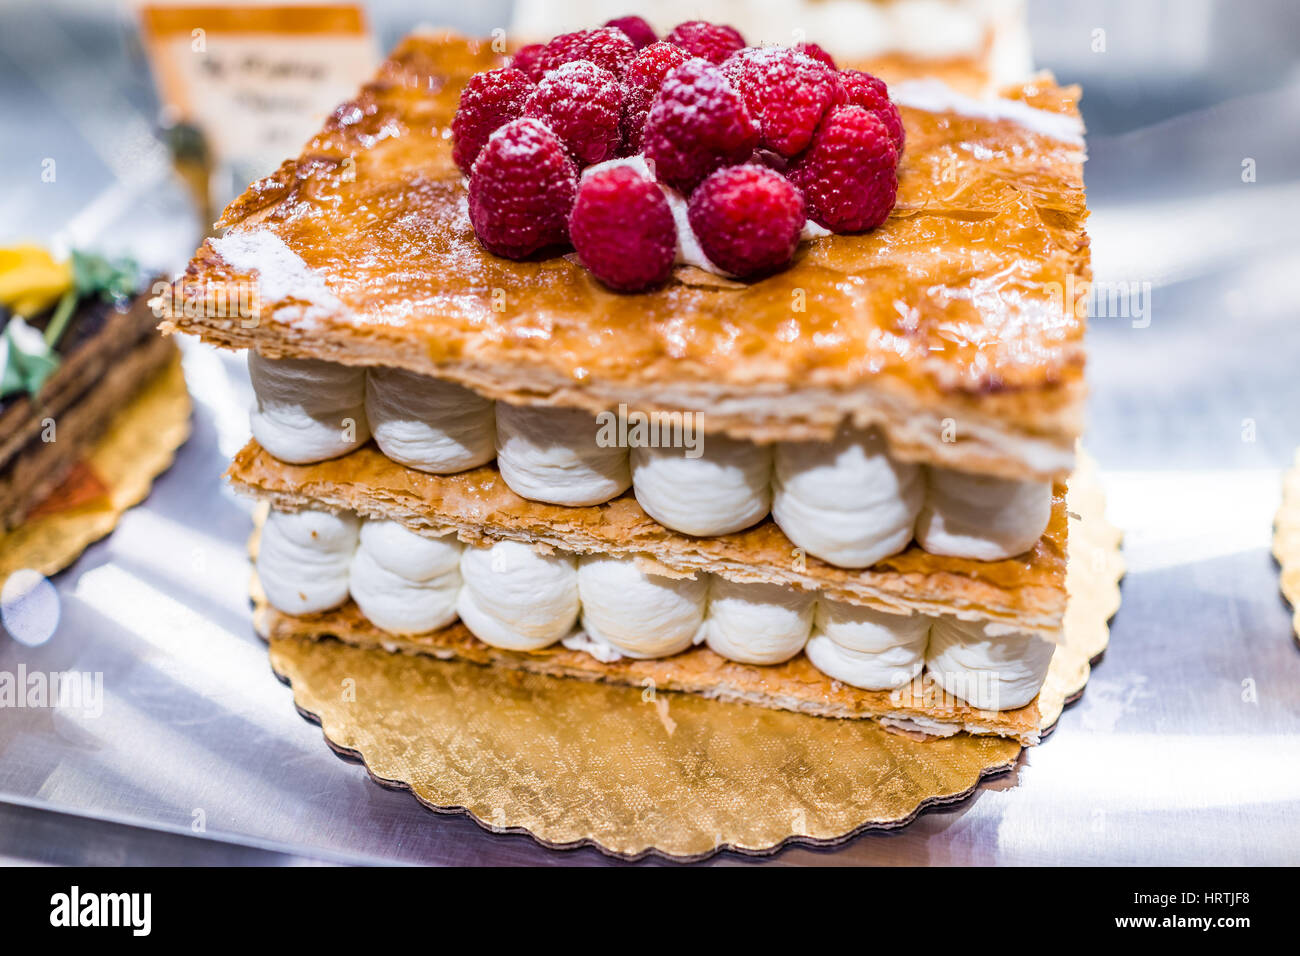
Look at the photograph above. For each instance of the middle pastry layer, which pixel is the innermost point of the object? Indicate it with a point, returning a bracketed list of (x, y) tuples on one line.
[(1026, 592)]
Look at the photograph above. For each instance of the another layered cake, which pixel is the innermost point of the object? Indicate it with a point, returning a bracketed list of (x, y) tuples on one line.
[(77, 347), (684, 362)]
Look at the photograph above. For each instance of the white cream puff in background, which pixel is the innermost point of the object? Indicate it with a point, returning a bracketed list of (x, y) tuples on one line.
[(867, 648), (757, 623)]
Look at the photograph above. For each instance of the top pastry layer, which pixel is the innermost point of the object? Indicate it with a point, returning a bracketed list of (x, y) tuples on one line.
[(954, 326)]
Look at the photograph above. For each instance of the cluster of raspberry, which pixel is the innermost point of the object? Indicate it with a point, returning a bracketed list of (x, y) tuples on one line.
[(638, 152)]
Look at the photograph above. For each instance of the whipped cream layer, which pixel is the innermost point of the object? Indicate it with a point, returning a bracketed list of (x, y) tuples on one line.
[(555, 455), (304, 559), (845, 501), (405, 582), (307, 410), (515, 598), (511, 596), (427, 424)]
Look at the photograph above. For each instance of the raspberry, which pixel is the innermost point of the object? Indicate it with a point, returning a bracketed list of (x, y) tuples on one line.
[(712, 41), (521, 190), (644, 76), (528, 60), (489, 101), (623, 229), (788, 92), (607, 47), (747, 219), (697, 123), (817, 53), (638, 31), (581, 103), (848, 175), (870, 92)]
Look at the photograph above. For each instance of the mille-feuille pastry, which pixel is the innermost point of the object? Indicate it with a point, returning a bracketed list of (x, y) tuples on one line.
[(695, 363), (76, 347)]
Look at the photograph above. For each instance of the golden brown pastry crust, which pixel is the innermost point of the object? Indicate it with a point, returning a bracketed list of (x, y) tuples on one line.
[(1027, 592), (795, 685), (952, 310)]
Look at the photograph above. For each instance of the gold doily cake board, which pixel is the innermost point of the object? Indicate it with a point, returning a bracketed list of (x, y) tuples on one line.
[(1286, 541), (139, 445), (634, 772)]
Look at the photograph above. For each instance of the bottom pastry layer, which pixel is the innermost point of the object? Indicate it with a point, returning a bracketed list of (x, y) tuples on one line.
[(921, 706)]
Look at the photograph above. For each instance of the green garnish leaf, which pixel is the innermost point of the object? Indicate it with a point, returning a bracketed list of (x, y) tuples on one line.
[(26, 359), (111, 279)]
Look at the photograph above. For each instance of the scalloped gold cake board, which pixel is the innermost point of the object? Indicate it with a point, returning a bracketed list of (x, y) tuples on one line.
[(634, 772), (1286, 541), (139, 445)]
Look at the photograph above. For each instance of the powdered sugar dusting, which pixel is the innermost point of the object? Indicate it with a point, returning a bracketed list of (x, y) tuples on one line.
[(297, 294), (935, 96)]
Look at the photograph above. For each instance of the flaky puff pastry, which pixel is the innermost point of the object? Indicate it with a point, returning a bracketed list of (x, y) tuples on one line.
[(1026, 592), (917, 708), (956, 326)]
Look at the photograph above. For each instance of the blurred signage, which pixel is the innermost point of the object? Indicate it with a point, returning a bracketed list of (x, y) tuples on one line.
[(256, 80)]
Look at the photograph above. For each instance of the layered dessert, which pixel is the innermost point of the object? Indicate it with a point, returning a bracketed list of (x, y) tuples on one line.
[(686, 361), (78, 345)]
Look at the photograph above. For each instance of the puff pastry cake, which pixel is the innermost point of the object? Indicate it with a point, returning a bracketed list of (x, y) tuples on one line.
[(76, 345), (779, 408)]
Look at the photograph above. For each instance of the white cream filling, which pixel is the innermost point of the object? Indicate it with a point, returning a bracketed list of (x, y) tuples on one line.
[(757, 623), (867, 648), (552, 455), (845, 501), (303, 559), (986, 666), (516, 598), (307, 410), (727, 488), (981, 517), (428, 424), (405, 582), (511, 596), (882, 670), (639, 614)]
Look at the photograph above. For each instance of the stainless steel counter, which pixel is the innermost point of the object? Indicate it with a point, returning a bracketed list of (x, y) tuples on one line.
[(1184, 749)]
